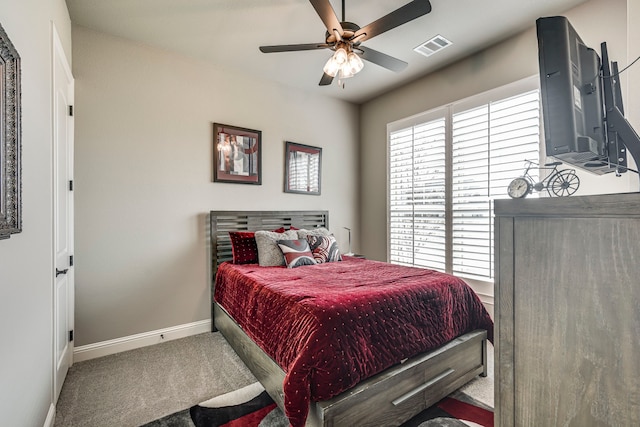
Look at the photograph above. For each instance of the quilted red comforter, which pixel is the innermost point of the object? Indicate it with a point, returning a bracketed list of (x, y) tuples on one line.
[(332, 325)]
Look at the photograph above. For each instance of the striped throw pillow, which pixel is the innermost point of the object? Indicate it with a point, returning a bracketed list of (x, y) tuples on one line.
[(296, 253)]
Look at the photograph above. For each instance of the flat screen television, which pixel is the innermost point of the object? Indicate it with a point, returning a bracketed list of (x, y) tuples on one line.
[(582, 109)]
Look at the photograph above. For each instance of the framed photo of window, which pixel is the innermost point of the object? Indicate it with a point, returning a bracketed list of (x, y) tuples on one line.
[(303, 168), (237, 155)]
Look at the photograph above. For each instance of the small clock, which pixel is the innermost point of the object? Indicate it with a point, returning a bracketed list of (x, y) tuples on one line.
[(519, 188)]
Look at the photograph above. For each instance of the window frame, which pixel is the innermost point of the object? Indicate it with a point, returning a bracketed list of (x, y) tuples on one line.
[(448, 110)]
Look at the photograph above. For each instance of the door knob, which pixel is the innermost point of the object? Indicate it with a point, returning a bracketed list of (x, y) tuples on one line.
[(59, 272)]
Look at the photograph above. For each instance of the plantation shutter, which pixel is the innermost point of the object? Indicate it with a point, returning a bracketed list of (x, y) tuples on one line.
[(490, 146), (417, 195), (445, 169), (471, 218)]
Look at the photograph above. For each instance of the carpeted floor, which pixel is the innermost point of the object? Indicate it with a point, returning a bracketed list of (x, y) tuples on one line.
[(138, 386)]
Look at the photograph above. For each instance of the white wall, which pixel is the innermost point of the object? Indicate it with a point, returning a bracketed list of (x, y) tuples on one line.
[(504, 63), (144, 177), (26, 266)]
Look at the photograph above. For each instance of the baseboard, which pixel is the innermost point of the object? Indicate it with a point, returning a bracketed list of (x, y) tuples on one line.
[(51, 416), (105, 348)]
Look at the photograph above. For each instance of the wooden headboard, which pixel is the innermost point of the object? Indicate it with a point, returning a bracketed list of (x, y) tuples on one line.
[(222, 222)]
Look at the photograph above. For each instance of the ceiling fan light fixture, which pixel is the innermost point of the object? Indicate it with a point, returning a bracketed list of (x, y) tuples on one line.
[(355, 63), (331, 68), (340, 57), (346, 72)]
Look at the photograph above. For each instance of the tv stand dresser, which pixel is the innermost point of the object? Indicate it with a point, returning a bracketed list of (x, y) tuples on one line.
[(567, 289)]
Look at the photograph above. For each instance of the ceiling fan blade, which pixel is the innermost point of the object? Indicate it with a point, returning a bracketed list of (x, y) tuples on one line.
[(325, 80), (293, 47), (328, 15), (382, 59), (406, 13)]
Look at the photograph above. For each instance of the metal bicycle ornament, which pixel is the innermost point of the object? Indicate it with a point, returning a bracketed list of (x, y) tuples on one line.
[(559, 183)]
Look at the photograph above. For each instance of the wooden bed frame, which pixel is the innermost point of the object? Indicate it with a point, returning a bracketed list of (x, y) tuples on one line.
[(389, 398)]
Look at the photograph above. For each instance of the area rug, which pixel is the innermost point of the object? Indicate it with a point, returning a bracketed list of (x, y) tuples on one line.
[(251, 406)]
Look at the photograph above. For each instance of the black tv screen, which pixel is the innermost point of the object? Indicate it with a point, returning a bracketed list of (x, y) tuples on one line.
[(571, 95)]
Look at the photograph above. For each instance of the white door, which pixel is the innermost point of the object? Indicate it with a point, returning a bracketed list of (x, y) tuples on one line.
[(63, 213)]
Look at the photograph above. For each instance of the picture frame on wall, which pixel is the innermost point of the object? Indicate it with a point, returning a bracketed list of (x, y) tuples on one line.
[(10, 144), (237, 155), (303, 168)]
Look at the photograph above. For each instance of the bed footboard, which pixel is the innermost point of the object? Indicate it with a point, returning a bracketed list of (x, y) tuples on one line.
[(389, 398)]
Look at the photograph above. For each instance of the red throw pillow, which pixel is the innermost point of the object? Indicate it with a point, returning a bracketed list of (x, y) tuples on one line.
[(243, 247)]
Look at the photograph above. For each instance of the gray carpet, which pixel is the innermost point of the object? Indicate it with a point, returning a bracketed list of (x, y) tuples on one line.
[(135, 387), (138, 386)]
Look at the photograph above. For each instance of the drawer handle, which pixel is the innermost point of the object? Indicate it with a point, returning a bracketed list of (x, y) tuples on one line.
[(420, 388)]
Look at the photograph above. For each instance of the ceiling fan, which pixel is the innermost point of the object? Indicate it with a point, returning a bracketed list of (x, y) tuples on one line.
[(345, 39)]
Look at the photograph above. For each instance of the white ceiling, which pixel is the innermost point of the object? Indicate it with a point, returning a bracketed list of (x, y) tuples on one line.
[(228, 32)]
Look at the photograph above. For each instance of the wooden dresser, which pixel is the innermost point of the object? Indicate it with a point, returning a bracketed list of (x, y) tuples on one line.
[(567, 289)]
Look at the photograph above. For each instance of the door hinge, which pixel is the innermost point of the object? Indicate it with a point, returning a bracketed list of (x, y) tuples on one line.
[(71, 185), (71, 335), (70, 260), (71, 110)]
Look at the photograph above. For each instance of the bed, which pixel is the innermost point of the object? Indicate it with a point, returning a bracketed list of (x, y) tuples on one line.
[(389, 397)]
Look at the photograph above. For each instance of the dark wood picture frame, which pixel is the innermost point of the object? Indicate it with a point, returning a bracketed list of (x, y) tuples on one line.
[(237, 155), (10, 145), (303, 168)]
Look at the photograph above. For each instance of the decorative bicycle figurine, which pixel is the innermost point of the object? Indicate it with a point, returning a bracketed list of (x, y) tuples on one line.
[(559, 183)]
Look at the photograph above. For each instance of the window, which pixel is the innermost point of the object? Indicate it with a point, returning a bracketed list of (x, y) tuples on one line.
[(417, 199), (445, 169)]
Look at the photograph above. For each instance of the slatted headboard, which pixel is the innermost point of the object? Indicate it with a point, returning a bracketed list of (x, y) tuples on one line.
[(224, 221)]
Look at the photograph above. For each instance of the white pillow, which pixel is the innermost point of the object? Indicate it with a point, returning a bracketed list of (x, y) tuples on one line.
[(320, 231), (269, 253)]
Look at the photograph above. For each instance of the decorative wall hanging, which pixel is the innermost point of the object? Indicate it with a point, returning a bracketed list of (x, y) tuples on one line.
[(303, 168), (10, 130), (237, 155)]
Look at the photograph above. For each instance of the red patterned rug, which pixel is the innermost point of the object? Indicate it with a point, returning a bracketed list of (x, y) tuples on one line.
[(251, 406)]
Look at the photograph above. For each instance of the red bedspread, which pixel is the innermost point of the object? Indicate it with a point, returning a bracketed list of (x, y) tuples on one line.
[(332, 325)]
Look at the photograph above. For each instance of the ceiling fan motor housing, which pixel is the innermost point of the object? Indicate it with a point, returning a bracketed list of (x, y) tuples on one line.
[(349, 29)]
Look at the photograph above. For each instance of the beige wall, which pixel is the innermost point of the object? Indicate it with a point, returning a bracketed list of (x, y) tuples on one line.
[(144, 177), (26, 259), (504, 63), (632, 78)]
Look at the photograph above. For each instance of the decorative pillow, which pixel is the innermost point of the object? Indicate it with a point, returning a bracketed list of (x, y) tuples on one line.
[(269, 253), (282, 229), (296, 253), (243, 247), (324, 248), (321, 231)]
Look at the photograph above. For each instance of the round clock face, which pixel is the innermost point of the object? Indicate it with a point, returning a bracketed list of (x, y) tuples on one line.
[(519, 188)]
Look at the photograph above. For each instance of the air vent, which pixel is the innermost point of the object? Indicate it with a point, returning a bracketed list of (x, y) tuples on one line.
[(432, 46)]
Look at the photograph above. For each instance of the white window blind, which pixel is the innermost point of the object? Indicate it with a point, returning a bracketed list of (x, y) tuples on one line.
[(485, 149), (417, 195), (490, 145)]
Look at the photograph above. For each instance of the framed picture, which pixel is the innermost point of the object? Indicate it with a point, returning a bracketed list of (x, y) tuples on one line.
[(303, 168), (237, 155), (10, 146)]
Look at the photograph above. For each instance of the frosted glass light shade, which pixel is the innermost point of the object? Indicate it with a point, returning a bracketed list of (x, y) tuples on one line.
[(331, 67)]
